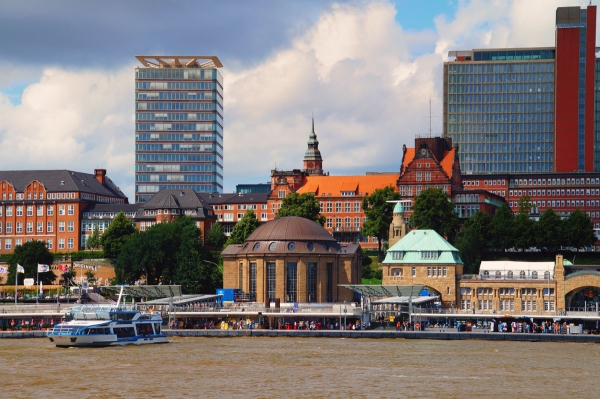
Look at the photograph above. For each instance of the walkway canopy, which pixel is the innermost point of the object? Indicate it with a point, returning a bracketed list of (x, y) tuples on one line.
[(403, 300), (149, 291), (186, 300), (385, 290)]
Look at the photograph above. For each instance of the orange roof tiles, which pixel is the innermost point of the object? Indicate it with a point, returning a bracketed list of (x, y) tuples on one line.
[(334, 185), (448, 162)]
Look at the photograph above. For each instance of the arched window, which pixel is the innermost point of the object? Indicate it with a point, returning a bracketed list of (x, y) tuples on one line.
[(498, 274), (396, 272), (546, 275), (510, 274), (534, 275), (486, 274), (522, 274)]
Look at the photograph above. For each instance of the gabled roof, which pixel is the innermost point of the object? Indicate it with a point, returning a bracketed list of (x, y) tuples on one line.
[(414, 243), (61, 181), (446, 163), (170, 198), (334, 185)]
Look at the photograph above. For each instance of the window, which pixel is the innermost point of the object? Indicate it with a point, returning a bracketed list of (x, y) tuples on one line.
[(419, 176), (19, 210), (71, 209), (397, 272), (329, 282), (534, 275), (29, 210), (40, 210), (429, 255), (70, 227), (414, 271), (427, 176), (280, 194), (61, 243), (357, 207), (8, 244), (18, 227), (9, 227), (312, 282), (397, 255), (329, 207), (338, 207), (29, 227), (18, 242), (291, 282), (61, 228), (70, 243), (347, 206), (0, 227), (271, 280), (9, 210), (40, 227), (50, 227), (252, 288), (329, 223), (61, 211), (50, 210)]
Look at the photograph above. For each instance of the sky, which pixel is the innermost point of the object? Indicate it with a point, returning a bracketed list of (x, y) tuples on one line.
[(367, 70)]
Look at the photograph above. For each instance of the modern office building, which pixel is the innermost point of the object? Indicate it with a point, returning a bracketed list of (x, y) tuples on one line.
[(527, 110), (178, 125)]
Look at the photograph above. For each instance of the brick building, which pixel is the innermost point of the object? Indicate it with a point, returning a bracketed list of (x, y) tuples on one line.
[(47, 205)]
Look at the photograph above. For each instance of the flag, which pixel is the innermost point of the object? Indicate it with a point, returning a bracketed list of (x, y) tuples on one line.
[(43, 268), (2, 269), (20, 269), (63, 268)]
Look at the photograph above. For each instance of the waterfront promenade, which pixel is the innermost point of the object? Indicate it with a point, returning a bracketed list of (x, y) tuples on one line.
[(432, 334)]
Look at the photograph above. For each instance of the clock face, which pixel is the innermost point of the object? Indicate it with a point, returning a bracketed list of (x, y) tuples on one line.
[(423, 151), (310, 165)]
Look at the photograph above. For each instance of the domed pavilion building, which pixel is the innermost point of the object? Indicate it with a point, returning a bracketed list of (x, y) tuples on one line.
[(292, 259)]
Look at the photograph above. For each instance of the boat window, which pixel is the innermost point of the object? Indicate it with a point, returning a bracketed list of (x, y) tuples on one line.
[(124, 332), (144, 328), (157, 328)]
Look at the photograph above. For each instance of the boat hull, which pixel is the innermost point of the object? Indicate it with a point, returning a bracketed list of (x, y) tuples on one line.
[(66, 341)]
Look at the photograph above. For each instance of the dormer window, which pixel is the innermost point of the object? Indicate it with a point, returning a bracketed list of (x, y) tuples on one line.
[(430, 255), (397, 255)]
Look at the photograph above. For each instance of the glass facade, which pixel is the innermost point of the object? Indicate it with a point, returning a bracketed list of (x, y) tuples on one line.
[(178, 129), (501, 112)]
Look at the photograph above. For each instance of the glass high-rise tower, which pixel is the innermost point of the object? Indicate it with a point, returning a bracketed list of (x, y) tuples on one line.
[(527, 110), (178, 124)]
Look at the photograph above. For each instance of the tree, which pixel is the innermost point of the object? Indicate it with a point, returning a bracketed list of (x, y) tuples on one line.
[(93, 241), (243, 228), (118, 233), (579, 230), (502, 229), (302, 205), (434, 210), (90, 276), (168, 253), (216, 236), (469, 242), (549, 231), (379, 214), (524, 231), (481, 222), (66, 279), (29, 255)]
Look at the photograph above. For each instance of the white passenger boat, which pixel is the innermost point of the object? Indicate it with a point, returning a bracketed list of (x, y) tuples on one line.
[(108, 325)]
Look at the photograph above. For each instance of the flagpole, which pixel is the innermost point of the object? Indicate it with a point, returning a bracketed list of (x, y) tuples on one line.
[(38, 285), (16, 288)]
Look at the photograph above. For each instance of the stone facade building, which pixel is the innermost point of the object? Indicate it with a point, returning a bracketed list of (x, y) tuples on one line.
[(294, 260)]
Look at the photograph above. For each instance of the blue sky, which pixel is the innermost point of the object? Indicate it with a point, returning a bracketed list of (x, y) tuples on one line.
[(367, 69)]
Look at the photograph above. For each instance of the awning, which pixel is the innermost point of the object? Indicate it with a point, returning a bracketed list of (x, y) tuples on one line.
[(184, 300), (151, 291), (385, 290), (403, 300)]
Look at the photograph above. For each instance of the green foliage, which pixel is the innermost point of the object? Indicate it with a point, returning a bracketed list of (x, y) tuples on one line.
[(302, 205), (579, 230), (91, 277), (502, 229), (216, 237), (524, 205), (168, 253), (379, 214), (93, 241), (470, 243), (524, 231), (243, 228), (66, 279), (434, 210), (120, 231), (481, 222), (548, 231), (29, 255)]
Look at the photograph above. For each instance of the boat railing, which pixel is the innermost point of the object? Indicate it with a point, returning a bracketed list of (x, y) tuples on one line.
[(52, 308)]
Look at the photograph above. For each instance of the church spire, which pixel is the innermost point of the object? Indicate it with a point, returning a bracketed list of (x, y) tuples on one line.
[(313, 163)]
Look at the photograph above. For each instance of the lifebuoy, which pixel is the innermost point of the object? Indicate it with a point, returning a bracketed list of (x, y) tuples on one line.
[(418, 326)]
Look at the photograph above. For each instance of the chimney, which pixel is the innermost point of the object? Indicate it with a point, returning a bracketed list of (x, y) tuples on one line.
[(100, 175)]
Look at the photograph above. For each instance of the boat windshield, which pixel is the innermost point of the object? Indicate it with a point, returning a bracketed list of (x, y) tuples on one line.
[(62, 329)]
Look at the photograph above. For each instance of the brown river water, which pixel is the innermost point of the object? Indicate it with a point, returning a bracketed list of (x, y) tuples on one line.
[(301, 367)]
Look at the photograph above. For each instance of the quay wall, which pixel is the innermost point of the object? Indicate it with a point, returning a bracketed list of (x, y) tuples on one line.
[(354, 334)]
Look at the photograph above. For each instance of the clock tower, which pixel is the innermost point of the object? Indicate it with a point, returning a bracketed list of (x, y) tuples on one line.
[(313, 163)]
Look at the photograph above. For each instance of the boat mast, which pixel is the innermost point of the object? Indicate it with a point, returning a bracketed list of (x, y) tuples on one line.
[(120, 295)]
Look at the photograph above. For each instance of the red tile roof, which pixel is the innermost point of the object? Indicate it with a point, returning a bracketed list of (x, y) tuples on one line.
[(334, 185)]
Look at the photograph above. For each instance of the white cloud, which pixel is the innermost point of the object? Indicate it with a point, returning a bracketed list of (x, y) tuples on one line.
[(367, 80)]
